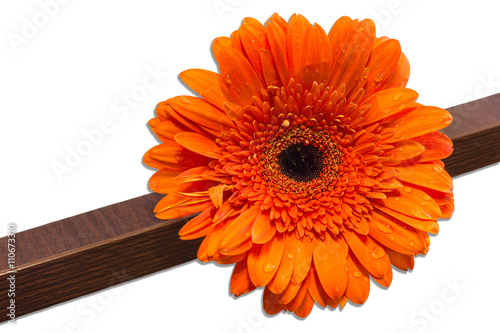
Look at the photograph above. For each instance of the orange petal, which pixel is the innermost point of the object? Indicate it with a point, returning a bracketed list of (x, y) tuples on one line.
[(330, 261), (238, 75), (295, 42), (219, 43), (197, 110), (400, 76), (358, 283), (305, 307), (430, 175), (400, 261), (171, 155), (437, 146), (316, 57), (264, 260), (188, 208), (412, 204), (387, 279), (236, 237), (254, 40), (263, 231), (342, 29), (199, 144), (368, 253), (276, 34), (301, 250), (382, 62), (387, 102), (270, 303), (198, 226), (213, 240), (425, 225), (415, 122), (353, 57), (404, 150), (160, 182), (284, 273), (289, 293), (208, 85), (166, 130), (240, 281), (314, 287), (216, 194), (271, 75), (395, 234), (177, 118), (298, 299)]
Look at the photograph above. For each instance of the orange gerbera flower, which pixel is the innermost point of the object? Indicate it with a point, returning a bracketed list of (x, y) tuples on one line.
[(312, 165)]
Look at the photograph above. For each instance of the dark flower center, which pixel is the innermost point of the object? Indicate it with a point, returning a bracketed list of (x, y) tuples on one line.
[(301, 162)]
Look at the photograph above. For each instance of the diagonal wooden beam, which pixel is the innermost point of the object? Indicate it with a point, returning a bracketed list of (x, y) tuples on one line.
[(62, 260)]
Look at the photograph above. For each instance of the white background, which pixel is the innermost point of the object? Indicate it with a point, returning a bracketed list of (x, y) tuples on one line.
[(71, 73)]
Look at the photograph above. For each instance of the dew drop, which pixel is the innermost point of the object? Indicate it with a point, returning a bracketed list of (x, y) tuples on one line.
[(401, 149), (223, 251), (426, 197), (385, 228), (376, 254), (184, 99), (438, 168), (407, 189), (398, 96), (378, 77), (228, 79), (357, 274), (447, 122), (269, 268), (419, 213), (290, 256)]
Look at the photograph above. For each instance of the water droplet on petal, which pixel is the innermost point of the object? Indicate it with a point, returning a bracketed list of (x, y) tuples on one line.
[(378, 77), (398, 96), (376, 254), (426, 197), (385, 228), (438, 168), (269, 268), (357, 274), (223, 251), (407, 189), (228, 79), (290, 256), (419, 213)]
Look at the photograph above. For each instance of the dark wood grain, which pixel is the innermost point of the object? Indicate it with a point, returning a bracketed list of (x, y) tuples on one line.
[(475, 132), (82, 254)]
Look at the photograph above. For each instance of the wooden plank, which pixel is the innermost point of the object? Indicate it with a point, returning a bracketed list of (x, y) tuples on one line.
[(82, 254), (475, 132)]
